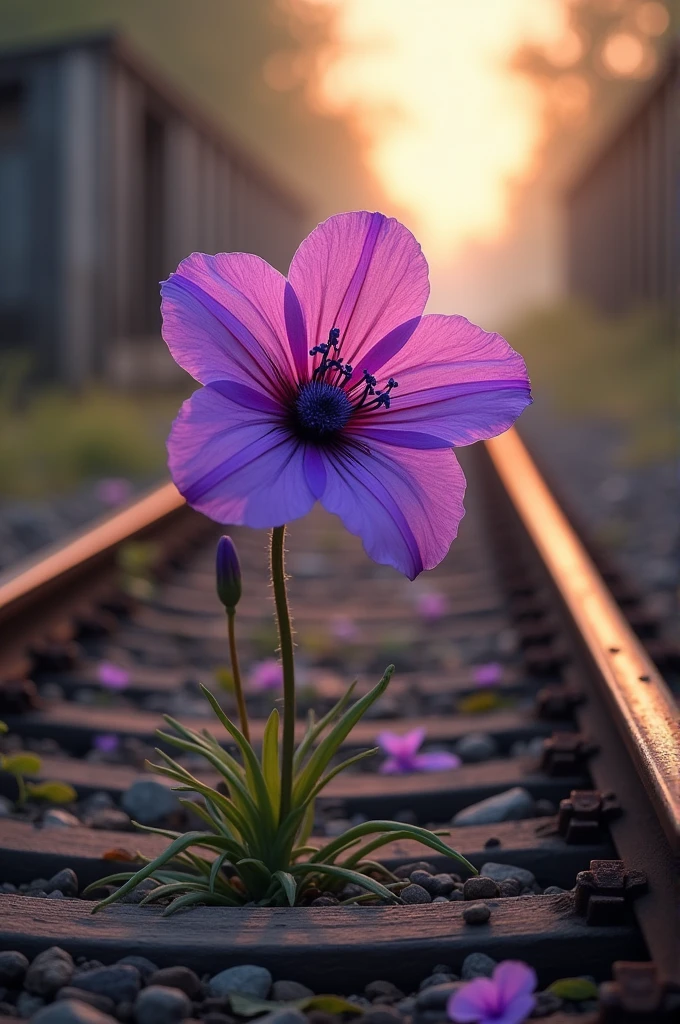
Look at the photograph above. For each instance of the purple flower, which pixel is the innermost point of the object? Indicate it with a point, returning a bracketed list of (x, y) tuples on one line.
[(228, 572), (266, 675), (403, 757), (505, 998), (489, 674), (106, 742), (113, 677), (114, 491), (432, 605), (331, 385)]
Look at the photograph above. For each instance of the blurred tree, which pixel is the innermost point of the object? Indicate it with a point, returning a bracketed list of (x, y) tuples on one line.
[(245, 62)]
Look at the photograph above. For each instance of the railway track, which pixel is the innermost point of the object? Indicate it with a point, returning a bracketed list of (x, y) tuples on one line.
[(515, 639)]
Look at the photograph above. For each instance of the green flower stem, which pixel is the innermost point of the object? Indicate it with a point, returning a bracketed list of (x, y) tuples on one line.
[(236, 673), (21, 799), (287, 661)]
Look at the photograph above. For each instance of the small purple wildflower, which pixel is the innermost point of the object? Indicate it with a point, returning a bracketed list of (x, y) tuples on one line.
[(403, 757), (106, 742), (432, 605), (113, 677), (489, 674), (344, 628), (505, 998), (114, 491), (266, 675), (332, 386)]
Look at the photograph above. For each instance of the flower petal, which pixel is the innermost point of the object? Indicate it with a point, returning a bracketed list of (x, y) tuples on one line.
[(517, 1012), (390, 742), (365, 274), (405, 506), (224, 319), (457, 384), (436, 761), (236, 465), (392, 766), (514, 978), (475, 1001)]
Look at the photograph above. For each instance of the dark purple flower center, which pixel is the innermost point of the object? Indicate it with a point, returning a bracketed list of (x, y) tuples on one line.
[(321, 410)]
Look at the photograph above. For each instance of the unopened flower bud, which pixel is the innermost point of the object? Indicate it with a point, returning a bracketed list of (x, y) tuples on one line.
[(228, 571)]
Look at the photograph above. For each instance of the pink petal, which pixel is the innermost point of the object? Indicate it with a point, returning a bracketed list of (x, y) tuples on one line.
[(365, 274), (475, 1001), (392, 766), (391, 742), (518, 1011), (514, 978), (236, 464), (224, 319), (412, 740), (436, 761), (489, 674), (405, 506), (457, 384)]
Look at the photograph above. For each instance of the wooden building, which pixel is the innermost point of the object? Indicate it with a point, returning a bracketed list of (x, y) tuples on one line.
[(623, 212), (108, 178)]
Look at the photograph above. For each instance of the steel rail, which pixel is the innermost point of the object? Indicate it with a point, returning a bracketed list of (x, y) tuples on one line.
[(642, 705)]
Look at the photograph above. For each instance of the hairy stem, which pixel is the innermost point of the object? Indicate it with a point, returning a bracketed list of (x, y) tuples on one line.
[(286, 647), (236, 674)]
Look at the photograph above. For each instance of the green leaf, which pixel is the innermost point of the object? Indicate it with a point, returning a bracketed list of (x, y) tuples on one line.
[(53, 792), (307, 824), (322, 783), (270, 760), (370, 827), (22, 764), (215, 870), (334, 871), (288, 884), (251, 1006), (310, 775), (314, 731), (574, 989)]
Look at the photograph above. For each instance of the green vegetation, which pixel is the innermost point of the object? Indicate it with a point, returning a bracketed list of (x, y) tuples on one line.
[(55, 441), (624, 370)]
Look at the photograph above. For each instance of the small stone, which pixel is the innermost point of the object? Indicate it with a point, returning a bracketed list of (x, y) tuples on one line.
[(501, 872), (421, 878), (285, 991), (66, 881), (286, 1015), (149, 802), (383, 990), (477, 965), (441, 885), (140, 892), (247, 979), (546, 1004), (56, 894), (13, 967), (437, 978), (125, 1011), (435, 997), (102, 1003), (321, 1017), (49, 972), (510, 887), (415, 894), (55, 817), (553, 890), (145, 967), (71, 1011), (441, 899), (480, 888), (512, 805), (325, 901), (37, 894), (491, 842), (160, 1004), (351, 890), (476, 913), (381, 1015), (120, 982), (109, 819), (216, 1017), (28, 1004), (183, 978), (476, 747), (99, 801), (406, 870), (6, 807), (456, 896)]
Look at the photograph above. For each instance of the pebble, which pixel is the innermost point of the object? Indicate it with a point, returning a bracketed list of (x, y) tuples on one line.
[(444, 885), (477, 965), (102, 1003), (27, 1004), (480, 888), (6, 807), (99, 801), (381, 1015), (183, 978), (379, 989), (406, 870), (139, 892), (415, 894), (476, 913), (501, 872), (510, 887), (546, 1003), (553, 890), (71, 1011), (13, 967), (66, 881), (149, 802), (145, 967), (50, 971), (476, 747), (55, 817), (437, 978), (248, 979), (286, 1015), (110, 819), (160, 1004), (121, 982), (514, 804), (435, 997), (440, 899), (285, 991)]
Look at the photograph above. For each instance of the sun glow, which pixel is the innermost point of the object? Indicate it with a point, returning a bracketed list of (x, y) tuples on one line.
[(449, 126)]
